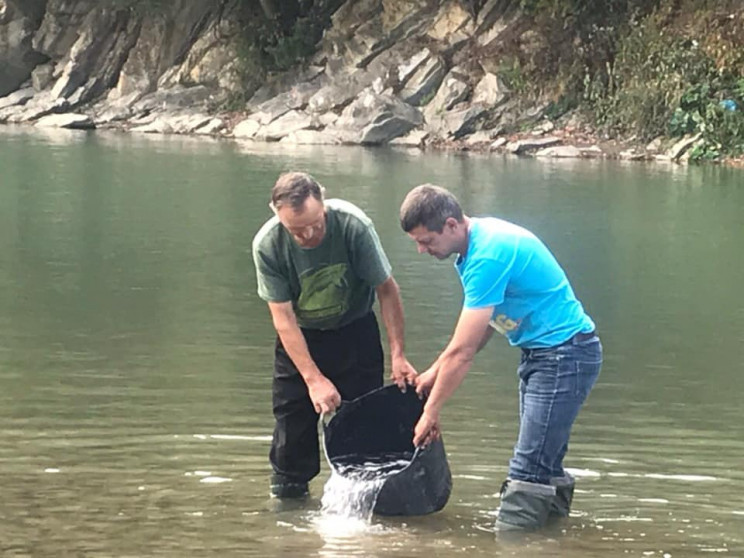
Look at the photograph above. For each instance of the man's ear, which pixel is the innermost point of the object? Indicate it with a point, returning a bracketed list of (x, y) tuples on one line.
[(451, 223), (273, 208)]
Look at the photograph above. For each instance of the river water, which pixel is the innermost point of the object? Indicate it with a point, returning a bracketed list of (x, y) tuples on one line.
[(135, 356)]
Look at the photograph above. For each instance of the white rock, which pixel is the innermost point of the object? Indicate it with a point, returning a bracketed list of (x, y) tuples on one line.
[(212, 127), (560, 152), (500, 142), (415, 138), (17, 97), (478, 137), (158, 126), (246, 129), (68, 120), (679, 148), (523, 146)]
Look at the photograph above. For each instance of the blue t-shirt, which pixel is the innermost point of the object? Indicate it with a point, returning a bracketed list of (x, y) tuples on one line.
[(509, 268)]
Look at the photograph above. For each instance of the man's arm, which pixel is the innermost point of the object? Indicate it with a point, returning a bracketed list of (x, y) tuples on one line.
[(323, 393), (391, 308), (426, 379), (451, 367), (486, 337)]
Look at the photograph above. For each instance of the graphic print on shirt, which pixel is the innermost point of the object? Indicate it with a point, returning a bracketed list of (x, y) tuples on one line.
[(324, 292), (503, 324)]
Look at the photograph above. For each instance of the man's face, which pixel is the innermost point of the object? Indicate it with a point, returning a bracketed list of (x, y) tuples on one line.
[(440, 245), (307, 225)]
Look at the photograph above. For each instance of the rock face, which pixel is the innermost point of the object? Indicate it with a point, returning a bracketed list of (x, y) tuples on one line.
[(19, 20), (102, 59), (385, 71), (69, 120), (374, 119), (95, 59), (166, 49)]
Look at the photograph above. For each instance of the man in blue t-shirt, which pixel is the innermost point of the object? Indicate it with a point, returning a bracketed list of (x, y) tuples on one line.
[(514, 285)]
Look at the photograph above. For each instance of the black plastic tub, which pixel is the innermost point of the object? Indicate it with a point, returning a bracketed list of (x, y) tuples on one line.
[(381, 423)]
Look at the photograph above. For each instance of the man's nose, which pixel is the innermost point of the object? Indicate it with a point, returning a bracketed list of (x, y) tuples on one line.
[(421, 248)]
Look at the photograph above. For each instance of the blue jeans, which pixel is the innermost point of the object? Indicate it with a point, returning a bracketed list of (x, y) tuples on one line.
[(553, 384)]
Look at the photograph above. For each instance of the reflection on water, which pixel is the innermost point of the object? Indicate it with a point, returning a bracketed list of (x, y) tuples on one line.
[(345, 535), (135, 357)]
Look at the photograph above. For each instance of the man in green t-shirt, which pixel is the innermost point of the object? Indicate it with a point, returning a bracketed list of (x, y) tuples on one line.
[(319, 264)]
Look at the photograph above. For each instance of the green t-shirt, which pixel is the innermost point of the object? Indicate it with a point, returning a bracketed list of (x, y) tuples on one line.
[(330, 285)]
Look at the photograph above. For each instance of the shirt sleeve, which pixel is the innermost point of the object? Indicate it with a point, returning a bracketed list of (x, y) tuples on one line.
[(484, 283), (368, 259), (273, 285)]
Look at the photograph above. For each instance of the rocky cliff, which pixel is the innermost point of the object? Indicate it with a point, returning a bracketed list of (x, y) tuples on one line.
[(410, 72), (384, 68)]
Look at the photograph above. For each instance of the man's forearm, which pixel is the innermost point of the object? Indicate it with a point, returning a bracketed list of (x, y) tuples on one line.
[(391, 308), (454, 362), (451, 368), (296, 346)]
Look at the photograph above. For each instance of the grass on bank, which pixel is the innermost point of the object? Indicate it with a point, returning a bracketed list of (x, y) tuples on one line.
[(642, 68)]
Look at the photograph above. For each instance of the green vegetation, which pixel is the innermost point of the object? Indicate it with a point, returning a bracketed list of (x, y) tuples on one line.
[(642, 68), (275, 36), (280, 35), (666, 82)]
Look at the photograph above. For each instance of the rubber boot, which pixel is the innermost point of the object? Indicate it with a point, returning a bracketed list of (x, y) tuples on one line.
[(283, 487), (564, 490), (525, 506)]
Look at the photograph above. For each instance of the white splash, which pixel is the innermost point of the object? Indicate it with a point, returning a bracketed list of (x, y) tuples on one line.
[(215, 480), (348, 497), (583, 473), (197, 474), (624, 518), (266, 438), (353, 487), (690, 478)]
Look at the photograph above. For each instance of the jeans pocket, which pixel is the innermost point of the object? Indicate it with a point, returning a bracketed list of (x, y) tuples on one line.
[(586, 376), (567, 383), (579, 367)]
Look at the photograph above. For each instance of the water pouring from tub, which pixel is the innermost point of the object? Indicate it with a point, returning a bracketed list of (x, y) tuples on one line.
[(375, 468)]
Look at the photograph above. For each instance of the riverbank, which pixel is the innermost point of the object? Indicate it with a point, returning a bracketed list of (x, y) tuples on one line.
[(432, 75), (544, 141)]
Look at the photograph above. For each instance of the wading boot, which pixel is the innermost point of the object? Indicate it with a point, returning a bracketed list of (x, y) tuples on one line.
[(564, 490), (283, 487), (525, 506)]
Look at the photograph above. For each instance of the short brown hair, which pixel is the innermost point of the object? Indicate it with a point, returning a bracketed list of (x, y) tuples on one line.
[(293, 188), (430, 206)]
